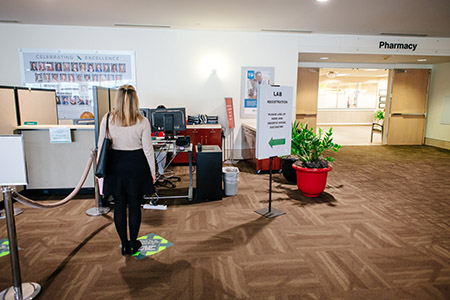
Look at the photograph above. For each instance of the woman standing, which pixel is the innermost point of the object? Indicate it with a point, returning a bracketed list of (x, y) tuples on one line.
[(131, 164)]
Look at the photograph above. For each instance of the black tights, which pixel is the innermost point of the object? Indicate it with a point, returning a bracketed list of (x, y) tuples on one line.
[(134, 216)]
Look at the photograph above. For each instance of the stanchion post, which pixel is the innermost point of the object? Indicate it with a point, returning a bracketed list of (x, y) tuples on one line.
[(98, 210), (19, 291), (270, 212), (13, 249), (270, 185)]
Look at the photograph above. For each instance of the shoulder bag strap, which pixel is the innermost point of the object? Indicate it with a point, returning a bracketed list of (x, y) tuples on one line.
[(107, 126)]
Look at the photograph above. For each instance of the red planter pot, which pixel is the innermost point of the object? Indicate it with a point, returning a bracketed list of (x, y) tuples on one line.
[(311, 182)]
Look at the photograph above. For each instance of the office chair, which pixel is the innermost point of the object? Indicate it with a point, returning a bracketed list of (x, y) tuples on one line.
[(167, 181)]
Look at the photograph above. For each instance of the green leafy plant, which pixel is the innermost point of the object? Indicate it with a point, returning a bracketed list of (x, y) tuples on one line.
[(379, 115), (295, 139), (309, 146)]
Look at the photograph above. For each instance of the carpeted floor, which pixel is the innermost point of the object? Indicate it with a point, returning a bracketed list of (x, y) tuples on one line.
[(381, 230)]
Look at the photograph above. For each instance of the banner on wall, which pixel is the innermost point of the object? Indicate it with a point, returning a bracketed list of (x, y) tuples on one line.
[(73, 73), (230, 112), (251, 80)]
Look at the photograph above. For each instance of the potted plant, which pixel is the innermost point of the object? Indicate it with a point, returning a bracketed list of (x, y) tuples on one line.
[(377, 125), (378, 115), (286, 163), (312, 168)]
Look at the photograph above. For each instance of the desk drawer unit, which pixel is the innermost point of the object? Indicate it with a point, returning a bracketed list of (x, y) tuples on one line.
[(204, 136)]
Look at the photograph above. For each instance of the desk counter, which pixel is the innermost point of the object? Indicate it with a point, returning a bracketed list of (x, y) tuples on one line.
[(57, 166), (249, 149), (205, 134), (204, 126)]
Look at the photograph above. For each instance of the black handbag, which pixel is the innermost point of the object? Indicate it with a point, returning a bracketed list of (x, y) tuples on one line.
[(103, 156)]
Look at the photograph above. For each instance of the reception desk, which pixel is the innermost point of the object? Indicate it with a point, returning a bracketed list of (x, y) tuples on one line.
[(249, 149), (58, 165)]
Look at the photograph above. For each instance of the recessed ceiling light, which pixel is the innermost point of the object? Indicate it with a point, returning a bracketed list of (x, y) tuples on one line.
[(422, 59), (324, 58), (321, 0), (332, 74)]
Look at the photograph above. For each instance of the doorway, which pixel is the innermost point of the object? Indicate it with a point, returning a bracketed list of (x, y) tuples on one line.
[(365, 106), (351, 101)]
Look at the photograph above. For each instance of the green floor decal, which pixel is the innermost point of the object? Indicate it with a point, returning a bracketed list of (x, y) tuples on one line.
[(151, 244), (4, 247)]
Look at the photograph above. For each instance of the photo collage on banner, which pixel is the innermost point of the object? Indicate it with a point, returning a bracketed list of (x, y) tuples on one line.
[(251, 79), (74, 73)]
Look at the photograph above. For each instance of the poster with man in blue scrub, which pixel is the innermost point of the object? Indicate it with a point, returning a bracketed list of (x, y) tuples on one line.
[(252, 79)]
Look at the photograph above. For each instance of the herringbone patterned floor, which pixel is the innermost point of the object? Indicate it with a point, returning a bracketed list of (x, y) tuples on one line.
[(381, 230)]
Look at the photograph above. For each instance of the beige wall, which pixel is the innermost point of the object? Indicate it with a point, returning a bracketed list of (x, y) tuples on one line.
[(440, 87), (173, 67), (8, 118), (345, 117)]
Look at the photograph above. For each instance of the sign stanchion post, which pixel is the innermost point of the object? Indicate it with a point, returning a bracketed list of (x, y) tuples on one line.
[(273, 131), (13, 173), (270, 184)]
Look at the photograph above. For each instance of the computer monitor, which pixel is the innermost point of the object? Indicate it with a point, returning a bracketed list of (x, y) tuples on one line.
[(83, 121), (145, 112), (169, 120)]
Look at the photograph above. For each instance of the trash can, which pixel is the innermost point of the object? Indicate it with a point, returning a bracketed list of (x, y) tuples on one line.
[(230, 180)]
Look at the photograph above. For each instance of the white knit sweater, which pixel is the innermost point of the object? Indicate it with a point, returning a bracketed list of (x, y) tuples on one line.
[(134, 137)]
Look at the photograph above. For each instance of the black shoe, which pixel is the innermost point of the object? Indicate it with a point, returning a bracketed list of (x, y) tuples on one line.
[(126, 249), (135, 246)]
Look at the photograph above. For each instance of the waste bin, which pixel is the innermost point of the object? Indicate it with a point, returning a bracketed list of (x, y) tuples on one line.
[(230, 180)]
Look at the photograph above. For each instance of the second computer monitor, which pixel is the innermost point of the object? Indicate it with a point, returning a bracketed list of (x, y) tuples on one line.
[(168, 120)]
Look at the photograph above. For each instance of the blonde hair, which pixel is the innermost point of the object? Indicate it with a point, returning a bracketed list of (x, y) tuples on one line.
[(126, 107)]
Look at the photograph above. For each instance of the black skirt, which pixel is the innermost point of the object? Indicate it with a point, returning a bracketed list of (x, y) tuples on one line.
[(128, 172)]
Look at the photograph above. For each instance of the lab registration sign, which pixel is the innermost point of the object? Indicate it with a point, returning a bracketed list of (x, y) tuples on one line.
[(274, 119)]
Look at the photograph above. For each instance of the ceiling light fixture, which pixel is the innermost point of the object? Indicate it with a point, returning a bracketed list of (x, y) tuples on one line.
[(141, 25), (10, 21), (322, 0), (422, 59), (332, 74), (324, 58), (287, 30), (403, 34)]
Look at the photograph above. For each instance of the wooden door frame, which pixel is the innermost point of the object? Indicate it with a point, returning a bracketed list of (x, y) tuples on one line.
[(389, 103), (387, 115), (307, 115), (426, 108)]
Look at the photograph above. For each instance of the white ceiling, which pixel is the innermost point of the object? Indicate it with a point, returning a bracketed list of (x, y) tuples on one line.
[(371, 58), (361, 17)]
